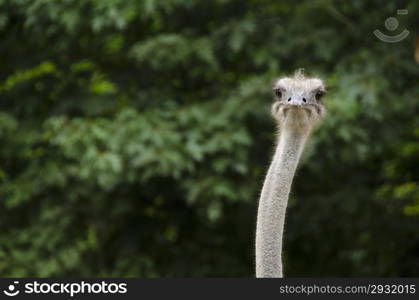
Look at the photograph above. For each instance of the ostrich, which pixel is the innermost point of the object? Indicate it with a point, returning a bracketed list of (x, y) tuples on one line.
[(296, 110)]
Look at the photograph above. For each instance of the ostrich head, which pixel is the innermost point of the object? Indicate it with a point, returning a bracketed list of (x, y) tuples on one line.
[(298, 101)]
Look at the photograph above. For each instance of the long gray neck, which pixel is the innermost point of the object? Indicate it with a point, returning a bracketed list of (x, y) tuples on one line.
[(274, 199)]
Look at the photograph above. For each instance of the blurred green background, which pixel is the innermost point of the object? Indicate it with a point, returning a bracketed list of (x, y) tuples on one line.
[(135, 136)]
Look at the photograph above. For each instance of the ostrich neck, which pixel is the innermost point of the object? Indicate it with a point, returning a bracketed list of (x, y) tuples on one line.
[(273, 201)]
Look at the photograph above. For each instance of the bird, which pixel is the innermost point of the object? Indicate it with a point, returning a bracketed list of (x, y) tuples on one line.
[(297, 109)]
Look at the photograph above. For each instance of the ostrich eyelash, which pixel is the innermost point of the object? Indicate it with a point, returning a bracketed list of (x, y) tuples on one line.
[(319, 95), (278, 92)]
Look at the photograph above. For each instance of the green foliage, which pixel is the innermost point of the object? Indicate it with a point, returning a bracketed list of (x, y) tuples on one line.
[(136, 134)]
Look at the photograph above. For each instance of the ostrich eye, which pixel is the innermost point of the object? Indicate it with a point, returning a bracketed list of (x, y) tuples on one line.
[(278, 93), (319, 95)]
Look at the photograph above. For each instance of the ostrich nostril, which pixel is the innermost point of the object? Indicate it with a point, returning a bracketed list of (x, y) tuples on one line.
[(304, 100), (289, 99)]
